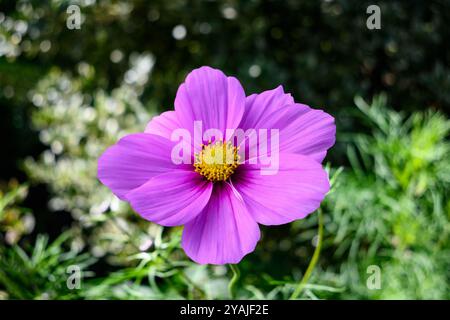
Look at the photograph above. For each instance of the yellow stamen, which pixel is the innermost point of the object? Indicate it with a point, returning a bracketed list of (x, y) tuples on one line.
[(217, 161)]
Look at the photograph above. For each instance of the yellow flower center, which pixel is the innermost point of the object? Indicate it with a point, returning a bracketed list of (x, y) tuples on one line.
[(217, 161)]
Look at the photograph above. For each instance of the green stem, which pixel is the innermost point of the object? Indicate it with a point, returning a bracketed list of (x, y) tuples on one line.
[(313, 261), (236, 274)]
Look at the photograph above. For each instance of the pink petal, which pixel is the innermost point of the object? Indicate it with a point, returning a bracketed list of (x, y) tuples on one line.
[(134, 160), (209, 96), (163, 125), (302, 130), (258, 106), (224, 232), (171, 199), (294, 192)]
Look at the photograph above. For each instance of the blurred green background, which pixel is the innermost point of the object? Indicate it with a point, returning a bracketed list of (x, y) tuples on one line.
[(65, 95)]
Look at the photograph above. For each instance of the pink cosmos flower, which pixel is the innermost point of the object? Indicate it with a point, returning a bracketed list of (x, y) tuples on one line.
[(221, 204)]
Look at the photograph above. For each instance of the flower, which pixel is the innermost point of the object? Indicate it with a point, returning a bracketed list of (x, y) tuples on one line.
[(221, 203)]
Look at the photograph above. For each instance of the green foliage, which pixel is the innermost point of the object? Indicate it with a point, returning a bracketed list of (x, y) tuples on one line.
[(15, 221), (77, 127), (42, 274), (161, 273), (392, 208)]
